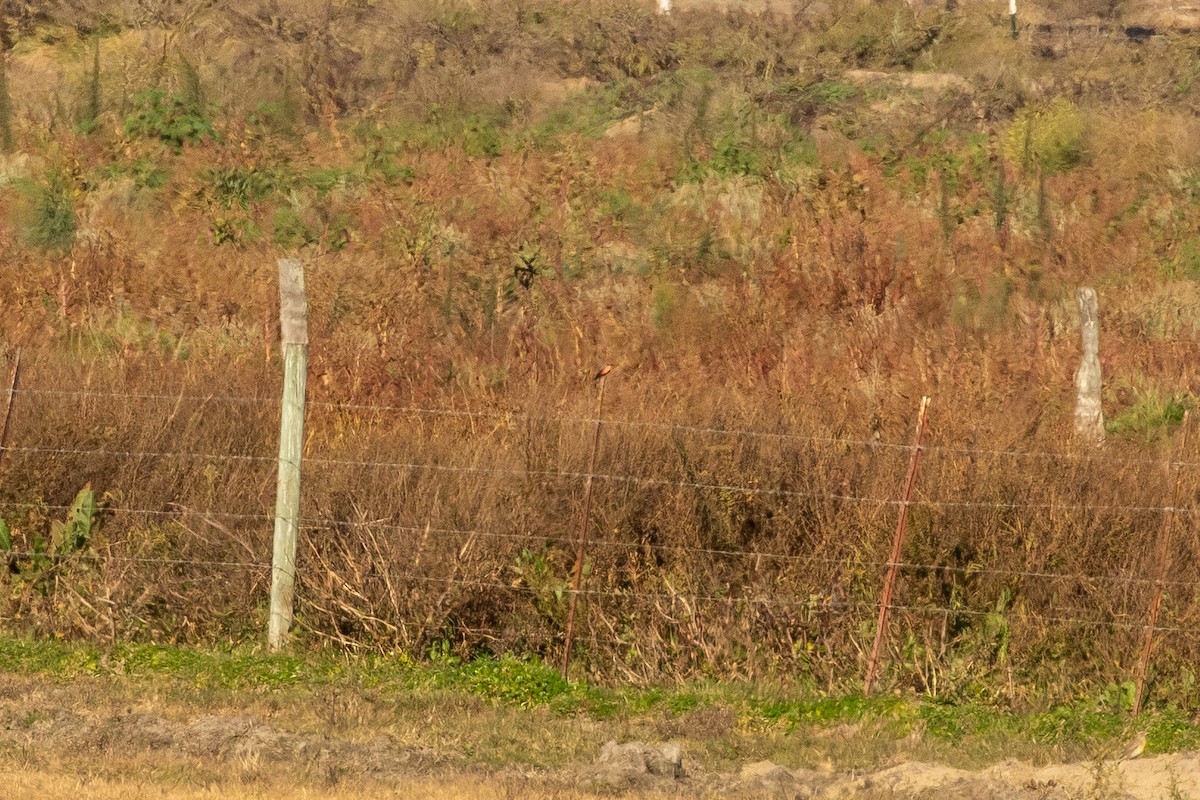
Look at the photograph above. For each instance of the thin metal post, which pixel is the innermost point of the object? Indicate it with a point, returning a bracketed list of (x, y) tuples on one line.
[(581, 547), (885, 597), (8, 408), (1012, 17), (293, 313), (1164, 554)]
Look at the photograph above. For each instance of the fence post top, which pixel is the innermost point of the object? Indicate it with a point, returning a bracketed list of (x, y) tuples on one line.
[(293, 303)]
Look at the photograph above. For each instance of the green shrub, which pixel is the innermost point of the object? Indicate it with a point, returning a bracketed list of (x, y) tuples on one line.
[(67, 538), (381, 154), (144, 173), (886, 33), (339, 231), (290, 230), (1051, 138), (50, 222), (1150, 416), (235, 230), (75, 533), (479, 136), (325, 180), (1186, 261), (830, 93), (731, 157), (168, 118), (594, 110), (240, 186)]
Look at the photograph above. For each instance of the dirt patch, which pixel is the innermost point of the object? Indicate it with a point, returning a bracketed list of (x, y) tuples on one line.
[(232, 738), (631, 126), (921, 81), (80, 729)]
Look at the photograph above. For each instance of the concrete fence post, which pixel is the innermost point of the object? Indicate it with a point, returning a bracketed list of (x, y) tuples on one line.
[(293, 318), (1089, 414)]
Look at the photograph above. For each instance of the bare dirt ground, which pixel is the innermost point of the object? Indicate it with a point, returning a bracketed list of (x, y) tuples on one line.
[(102, 738)]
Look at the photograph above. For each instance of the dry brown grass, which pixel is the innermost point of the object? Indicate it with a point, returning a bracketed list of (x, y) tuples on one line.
[(164, 734), (54, 785), (819, 295)]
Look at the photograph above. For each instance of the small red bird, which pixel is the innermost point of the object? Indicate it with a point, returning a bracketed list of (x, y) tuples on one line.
[(607, 368)]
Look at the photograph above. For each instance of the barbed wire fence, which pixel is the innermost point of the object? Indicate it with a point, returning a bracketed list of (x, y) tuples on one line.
[(466, 540)]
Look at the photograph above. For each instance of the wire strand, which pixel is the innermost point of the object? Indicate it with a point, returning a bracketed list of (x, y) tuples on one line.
[(465, 413), (815, 605), (672, 426), (613, 478), (318, 524)]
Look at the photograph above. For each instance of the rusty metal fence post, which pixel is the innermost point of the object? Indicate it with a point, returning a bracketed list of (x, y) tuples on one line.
[(889, 583), (581, 548)]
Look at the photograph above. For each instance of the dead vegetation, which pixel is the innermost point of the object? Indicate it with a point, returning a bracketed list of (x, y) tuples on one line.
[(776, 246)]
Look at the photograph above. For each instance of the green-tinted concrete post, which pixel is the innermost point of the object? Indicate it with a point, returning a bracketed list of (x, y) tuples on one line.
[(293, 313)]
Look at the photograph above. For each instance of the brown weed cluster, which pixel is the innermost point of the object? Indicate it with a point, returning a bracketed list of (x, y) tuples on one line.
[(783, 231)]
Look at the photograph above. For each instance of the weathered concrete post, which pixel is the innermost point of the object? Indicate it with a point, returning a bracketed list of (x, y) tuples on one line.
[(293, 318), (1089, 415)]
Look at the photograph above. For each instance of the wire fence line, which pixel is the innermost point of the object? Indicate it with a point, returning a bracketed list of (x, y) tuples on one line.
[(818, 604), (100, 557), (1085, 454), (316, 524), (476, 414), (574, 475), (826, 495)]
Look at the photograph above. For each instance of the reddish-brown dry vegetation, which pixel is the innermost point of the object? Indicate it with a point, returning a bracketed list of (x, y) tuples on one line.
[(780, 251)]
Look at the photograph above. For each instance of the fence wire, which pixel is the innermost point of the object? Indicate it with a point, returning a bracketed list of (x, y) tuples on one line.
[(318, 526)]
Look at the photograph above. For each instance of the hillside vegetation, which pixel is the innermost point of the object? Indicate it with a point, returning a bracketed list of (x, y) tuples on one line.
[(795, 224)]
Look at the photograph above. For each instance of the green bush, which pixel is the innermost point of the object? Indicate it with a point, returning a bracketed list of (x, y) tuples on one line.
[(381, 153), (67, 538), (479, 136), (1151, 415), (325, 180), (144, 173), (1186, 261), (50, 222), (1051, 138), (168, 118), (290, 230), (235, 229), (240, 186), (885, 34)]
